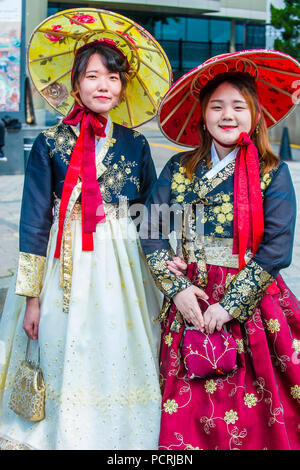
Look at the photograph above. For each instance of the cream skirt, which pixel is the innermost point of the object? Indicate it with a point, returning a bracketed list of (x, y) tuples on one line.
[(100, 360)]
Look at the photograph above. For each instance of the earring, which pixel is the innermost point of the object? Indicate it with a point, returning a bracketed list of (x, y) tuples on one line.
[(204, 127), (257, 130)]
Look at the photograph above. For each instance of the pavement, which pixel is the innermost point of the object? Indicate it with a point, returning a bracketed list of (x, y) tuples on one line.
[(162, 149)]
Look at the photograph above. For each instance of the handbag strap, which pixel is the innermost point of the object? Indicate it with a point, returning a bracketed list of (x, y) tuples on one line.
[(27, 353)]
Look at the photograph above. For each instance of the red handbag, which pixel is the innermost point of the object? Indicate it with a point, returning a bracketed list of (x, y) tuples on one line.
[(206, 355)]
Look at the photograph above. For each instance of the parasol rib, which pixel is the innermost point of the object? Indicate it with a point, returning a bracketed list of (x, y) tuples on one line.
[(286, 72), (129, 111), (186, 121), (146, 90), (77, 22), (54, 80), (102, 20), (59, 33), (275, 87), (150, 49), (127, 29), (154, 71), (176, 107), (171, 95), (268, 114), (70, 108), (51, 56)]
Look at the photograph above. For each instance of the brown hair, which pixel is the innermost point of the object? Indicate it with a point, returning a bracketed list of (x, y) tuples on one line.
[(112, 60), (246, 85)]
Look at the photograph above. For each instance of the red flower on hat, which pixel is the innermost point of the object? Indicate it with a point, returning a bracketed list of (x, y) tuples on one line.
[(83, 19), (52, 37), (127, 36), (108, 41)]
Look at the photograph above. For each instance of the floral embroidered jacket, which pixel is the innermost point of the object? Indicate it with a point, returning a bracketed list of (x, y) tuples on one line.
[(211, 200), (125, 169)]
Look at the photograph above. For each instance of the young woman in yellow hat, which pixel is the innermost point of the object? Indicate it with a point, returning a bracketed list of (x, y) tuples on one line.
[(91, 301)]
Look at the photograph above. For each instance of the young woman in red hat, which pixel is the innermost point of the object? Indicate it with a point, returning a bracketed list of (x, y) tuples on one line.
[(91, 302), (236, 232)]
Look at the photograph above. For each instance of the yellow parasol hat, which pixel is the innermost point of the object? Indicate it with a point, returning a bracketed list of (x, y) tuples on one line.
[(53, 46)]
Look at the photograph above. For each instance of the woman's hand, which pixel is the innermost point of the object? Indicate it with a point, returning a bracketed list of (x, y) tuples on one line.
[(32, 317), (187, 303), (215, 317), (178, 266)]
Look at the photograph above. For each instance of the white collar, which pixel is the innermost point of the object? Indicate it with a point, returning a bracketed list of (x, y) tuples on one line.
[(217, 164)]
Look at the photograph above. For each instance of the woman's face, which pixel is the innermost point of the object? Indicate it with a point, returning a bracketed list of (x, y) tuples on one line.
[(227, 114), (99, 88)]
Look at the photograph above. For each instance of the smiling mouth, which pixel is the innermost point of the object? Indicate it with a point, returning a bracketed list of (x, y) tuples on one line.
[(104, 98), (228, 127)]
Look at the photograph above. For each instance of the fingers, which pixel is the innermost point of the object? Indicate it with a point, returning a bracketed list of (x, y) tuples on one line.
[(180, 263), (35, 333), (177, 266), (200, 293), (195, 317), (173, 268), (210, 325), (31, 329)]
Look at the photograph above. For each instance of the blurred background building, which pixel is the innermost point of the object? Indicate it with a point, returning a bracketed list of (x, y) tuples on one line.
[(190, 31)]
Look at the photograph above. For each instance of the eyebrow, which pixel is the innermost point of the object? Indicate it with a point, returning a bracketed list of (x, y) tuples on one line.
[(221, 101), (95, 71)]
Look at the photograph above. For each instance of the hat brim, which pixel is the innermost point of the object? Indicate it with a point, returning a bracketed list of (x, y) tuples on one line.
[(276, 76), (52, 49)]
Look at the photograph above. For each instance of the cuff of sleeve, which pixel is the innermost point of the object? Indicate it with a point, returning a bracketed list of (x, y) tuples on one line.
[(30, 275), (166, 281), (246, 291)]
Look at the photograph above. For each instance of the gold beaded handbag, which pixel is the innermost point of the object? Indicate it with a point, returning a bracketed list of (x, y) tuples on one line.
[(28, 394)]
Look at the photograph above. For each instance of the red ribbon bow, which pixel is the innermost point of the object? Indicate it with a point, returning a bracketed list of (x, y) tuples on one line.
[(83, 164), (248, 225)]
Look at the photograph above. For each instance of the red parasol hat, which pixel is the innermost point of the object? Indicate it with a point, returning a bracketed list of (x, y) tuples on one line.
[(277, 78)]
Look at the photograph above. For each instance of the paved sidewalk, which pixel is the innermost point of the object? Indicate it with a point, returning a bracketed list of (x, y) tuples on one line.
[(162, 150)]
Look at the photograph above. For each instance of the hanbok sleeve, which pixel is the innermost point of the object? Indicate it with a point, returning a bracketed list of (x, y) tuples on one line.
[(148, 172), (36, 220), (156, 226), (274, 253)]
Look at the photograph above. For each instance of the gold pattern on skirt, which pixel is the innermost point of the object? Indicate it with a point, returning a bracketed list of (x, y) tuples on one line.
[(112, 211)]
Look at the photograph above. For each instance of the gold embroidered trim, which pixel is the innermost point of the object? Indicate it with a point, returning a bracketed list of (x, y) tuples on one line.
[(30, 274), (167, 282), (66, 265), (218, 251), (112, 211), (246, 290), (203, 186)]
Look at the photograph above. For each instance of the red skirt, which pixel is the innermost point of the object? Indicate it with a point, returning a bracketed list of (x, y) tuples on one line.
[(255, 407)]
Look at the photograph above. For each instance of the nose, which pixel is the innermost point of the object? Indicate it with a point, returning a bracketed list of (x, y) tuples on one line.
[(227, 113), (102, 84)]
